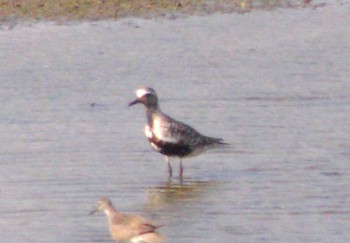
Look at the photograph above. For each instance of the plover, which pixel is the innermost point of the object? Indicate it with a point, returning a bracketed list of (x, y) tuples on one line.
[(169, 136), (127, 227)]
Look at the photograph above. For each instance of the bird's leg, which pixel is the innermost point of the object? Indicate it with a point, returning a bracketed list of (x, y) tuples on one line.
[(181, 168), (170, 170)]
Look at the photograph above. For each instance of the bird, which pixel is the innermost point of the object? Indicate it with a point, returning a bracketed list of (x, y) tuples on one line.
[(127, 227), (168, 136)]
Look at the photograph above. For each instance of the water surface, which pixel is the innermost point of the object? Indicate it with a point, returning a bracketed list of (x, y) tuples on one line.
[(273, 84)]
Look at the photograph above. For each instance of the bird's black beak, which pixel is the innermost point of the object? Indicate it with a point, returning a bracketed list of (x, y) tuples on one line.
[(134, 102), (93, 211)]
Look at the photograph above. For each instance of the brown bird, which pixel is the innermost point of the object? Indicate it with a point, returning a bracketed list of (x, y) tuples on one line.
[(127, 227)]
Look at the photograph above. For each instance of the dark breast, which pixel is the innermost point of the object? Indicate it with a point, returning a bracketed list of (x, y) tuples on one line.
[(171, 149)]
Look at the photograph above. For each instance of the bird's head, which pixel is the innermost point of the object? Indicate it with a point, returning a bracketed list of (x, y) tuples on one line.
[(146, 96), (104, 204)]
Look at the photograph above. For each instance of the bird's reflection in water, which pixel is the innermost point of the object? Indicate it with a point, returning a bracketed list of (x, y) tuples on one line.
[(177, 189)]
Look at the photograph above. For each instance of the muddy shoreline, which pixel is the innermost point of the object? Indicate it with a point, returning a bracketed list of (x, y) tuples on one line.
[(67, 10)]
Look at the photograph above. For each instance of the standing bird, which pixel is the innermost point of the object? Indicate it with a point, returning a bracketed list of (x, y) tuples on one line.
[(169, 136), (126, 227)]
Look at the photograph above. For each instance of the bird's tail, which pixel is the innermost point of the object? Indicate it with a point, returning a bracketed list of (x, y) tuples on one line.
[(220, 141), (216, 141)]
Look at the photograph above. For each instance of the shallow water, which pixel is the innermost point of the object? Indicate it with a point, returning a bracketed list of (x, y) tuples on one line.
[(273, 84)]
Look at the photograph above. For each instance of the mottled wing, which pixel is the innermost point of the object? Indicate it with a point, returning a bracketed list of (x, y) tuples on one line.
[(185, 134)]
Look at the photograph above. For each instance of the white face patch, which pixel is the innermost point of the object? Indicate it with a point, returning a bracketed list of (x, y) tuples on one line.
[(142, 92)]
